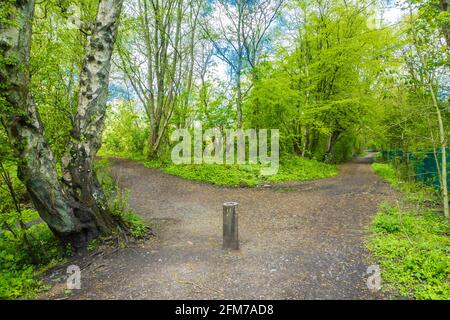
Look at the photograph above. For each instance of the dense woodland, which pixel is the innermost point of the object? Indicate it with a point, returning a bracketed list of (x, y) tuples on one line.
[(87, 78)]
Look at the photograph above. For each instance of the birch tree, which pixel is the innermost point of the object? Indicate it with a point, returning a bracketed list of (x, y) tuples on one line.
[(444, 9), (75, 210), (425, 73)]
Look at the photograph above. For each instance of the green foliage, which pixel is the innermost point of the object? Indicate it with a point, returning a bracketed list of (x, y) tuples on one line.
[(350, 144), (412, 246), (118, 202), (6, 9), (319, 90), (413, 191), (387, 172), (93, 245), (56, 58), (221, 175), (138, 227), (7, 203), (407, 112), (413, 251), (15, 283), (292, 168), (27, 245), (126, 132), (19, 272), (212, 108), (342, 84), (56, 61), (116, 197)]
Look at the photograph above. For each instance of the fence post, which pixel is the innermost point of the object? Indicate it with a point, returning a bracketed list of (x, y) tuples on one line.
[(230, 226)]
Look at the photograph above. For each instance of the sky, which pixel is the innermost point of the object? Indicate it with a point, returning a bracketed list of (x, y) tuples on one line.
[(393, 13)]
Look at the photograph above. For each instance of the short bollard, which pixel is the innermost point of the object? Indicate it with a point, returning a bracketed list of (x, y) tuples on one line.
[(230, 226)]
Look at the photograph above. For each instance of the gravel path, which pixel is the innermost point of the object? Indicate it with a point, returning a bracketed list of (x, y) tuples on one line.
[(299, 241)]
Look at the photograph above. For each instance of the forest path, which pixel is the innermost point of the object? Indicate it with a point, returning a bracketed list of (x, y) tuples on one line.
[(298, 241)]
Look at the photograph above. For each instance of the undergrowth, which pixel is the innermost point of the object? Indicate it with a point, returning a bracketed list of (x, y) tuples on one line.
[(410, 241), (27, 246), (118, 201), (292, 168)]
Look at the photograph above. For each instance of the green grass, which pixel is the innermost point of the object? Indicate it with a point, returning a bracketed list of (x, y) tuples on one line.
[(412, 191), (221, 175), (138, 227), (19, 275), (24, 253), (291, 169), (103, 153), (302, 169), (387, 172), (412, 243)]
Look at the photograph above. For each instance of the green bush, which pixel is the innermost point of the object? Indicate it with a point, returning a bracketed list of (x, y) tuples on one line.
[(344, 149), (16, 283), (221, 175), (292, 168), (387, 222), (19, 272), (139, 228), (25, 249)]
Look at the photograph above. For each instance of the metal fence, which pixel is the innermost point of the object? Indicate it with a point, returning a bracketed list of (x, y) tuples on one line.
[(425, 165)]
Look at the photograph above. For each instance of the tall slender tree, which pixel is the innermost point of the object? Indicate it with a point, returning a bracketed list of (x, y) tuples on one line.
[(151, 56), (239, 39), (427, 77)]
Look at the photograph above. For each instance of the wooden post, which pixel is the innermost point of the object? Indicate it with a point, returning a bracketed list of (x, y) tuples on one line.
[(230, 226)]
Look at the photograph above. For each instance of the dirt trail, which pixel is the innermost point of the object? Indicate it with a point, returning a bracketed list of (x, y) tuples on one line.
[(299, 241)]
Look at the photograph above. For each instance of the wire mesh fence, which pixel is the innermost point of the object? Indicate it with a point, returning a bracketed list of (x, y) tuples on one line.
[(423, 166)]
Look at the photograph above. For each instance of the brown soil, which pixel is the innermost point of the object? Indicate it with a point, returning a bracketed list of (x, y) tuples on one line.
[(298, 240)]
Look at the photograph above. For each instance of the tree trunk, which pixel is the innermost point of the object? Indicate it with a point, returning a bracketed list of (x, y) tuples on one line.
[(306, 141), (314, 141), (162, 104), (331, 143), (190, 76), (445, 7), (298, 142), (78, 164), (153, 141), (443, 145), (71, 220), (240, 44)]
